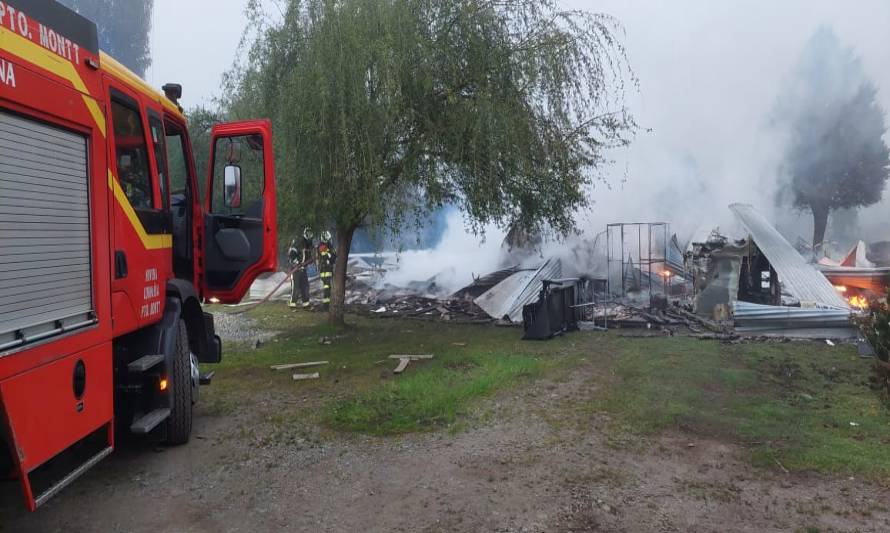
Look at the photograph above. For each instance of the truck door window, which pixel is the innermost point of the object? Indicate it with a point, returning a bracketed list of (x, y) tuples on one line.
[(159, 141), (244, 152), (177, 161), (131, 155)]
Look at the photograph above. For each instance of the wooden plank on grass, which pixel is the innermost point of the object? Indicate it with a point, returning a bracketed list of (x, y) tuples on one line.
[(412, 357), (301, 377), (298, 365), (403, 363)]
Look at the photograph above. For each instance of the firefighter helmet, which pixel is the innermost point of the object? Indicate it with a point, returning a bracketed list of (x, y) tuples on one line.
[(326, 236), (307, 234)]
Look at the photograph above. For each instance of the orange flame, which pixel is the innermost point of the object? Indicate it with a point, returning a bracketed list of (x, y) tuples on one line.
[(859, 301)]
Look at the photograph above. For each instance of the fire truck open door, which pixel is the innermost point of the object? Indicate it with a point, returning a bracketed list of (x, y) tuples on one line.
[(240, 241)]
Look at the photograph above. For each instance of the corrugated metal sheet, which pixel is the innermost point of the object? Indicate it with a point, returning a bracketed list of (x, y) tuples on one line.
[(675, 260), (797, 276), (507, 298), (485, 283), (750, 317)]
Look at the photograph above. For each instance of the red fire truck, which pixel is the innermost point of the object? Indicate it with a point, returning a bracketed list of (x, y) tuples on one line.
[(109, 245)]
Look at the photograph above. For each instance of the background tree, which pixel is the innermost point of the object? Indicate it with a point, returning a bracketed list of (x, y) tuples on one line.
[(124, 28), (836, 157), (200, 121), (385, 109)]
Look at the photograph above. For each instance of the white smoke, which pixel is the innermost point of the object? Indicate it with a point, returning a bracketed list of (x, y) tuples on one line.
[(710, 75), (458, 257)]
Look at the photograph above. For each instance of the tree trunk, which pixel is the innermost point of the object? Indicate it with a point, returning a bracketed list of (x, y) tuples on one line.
[(820, 222), (338, 288)]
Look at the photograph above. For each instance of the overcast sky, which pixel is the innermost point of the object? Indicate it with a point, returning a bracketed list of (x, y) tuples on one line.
[(709, 75)]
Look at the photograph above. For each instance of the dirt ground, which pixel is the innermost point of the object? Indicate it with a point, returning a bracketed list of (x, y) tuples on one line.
[(527, 463)]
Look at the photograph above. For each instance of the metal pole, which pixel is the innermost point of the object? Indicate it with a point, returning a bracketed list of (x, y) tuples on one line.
[(623, 291)]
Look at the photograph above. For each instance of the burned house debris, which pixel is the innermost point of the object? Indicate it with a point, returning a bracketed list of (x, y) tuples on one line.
[(763, 284), (638, 275), (506, 299), (858, 278)]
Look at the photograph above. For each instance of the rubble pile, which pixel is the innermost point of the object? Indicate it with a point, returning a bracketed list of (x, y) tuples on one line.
[(668, 320), (421, 308)]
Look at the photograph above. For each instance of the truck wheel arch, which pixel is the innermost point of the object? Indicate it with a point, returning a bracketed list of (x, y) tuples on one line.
[(199, 325)]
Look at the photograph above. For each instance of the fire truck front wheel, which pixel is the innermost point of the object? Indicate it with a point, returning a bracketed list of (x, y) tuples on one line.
[(179, 425)]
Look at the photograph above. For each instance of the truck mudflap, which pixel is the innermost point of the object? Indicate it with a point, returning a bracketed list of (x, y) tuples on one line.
[(59, 421)]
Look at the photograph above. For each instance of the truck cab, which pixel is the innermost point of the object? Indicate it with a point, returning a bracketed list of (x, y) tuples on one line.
[(111, 241)]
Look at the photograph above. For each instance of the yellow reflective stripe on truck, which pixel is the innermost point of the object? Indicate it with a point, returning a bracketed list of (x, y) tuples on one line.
[(49, 61), (151, 242)]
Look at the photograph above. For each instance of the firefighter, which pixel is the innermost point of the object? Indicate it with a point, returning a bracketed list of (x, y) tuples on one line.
[(300, 255), (326, 258)]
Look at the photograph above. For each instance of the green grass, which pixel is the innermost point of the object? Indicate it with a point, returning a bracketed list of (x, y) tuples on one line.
[(789, 404), (357, 391), (431, 398)]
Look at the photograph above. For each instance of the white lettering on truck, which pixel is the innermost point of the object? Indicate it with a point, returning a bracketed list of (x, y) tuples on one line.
[(7, 73), (150, 291), (49, 39), (15, 19), (58, 44)]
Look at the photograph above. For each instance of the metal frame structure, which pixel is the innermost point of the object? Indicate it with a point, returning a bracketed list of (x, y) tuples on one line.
[(650, 237)]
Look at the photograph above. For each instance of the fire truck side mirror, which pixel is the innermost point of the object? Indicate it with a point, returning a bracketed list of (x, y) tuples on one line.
[(232, 179)]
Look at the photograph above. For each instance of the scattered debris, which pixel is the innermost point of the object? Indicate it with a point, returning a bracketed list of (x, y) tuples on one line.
[(865, 348), (780, 465), (298, 365), (829, 342), (415, 307), (302, 377), (324, 340), (403, 363), (405, 359)]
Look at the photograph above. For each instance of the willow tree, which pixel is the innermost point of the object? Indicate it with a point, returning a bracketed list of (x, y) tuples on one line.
[(385, 109)]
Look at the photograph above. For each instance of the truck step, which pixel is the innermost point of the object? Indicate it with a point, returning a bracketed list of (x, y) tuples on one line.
[(149, 421), (206, 378), (67, 480), (145, 362)]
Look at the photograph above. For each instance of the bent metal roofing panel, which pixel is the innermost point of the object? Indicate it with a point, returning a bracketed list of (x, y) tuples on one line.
[(798, 277)]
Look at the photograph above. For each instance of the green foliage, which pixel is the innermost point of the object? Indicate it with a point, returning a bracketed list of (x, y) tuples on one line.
[(384, 108), (124, 27), (875, 327), (836, 157), (200, 121)]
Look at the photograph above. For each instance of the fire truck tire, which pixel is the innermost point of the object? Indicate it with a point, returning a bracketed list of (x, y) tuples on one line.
[(179, 425)]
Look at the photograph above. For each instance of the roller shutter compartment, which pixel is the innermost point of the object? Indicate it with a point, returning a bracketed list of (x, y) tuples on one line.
[(45, 271)]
